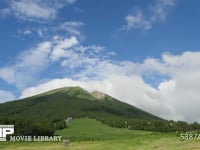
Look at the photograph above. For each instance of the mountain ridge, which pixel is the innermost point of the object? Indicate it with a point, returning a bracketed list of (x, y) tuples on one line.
[(75, 102)]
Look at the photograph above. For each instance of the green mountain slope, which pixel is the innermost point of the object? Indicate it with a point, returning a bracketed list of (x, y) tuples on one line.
[(85, 129), (71, 102)]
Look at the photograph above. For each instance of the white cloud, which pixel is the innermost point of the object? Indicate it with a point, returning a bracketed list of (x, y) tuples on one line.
[(66, 43), (35, 10), (66, 52), (6, 96), (72, 55), (27, 64), (67, 29), (160, 9), (60, 46), (71, 1), (71, 27), (137, 21), (157, 12), (42, 32), (29, 10), (25, 32), (176, 98), (85, 58)]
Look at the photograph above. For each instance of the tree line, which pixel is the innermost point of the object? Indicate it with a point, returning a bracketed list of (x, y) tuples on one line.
[(48, 128), (153, 125)]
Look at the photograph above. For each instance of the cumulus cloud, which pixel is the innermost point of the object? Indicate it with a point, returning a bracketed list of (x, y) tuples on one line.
[(26, 65), (71, 54), (60, 47), (157, 12), (71, 27), (65, 52), (36, 9), (6, 96), (33, 61), (83, 58), (175, 98)]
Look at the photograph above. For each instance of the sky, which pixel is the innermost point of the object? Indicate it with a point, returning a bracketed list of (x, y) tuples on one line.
[(145, 53)]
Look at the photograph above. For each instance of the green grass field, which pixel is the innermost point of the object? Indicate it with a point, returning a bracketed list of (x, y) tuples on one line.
[(89, 134)]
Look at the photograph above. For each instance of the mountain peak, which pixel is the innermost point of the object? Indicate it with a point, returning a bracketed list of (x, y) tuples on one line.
[(98, 95), (80, 92), (71, 101)]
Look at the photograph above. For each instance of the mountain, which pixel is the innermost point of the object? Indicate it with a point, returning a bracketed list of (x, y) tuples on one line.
[(71, 102)]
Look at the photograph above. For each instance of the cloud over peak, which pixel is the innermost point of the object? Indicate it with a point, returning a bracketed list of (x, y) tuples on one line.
[(124, 80)]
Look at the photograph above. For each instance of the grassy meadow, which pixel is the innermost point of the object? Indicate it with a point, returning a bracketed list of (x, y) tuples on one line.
[(89, 134)]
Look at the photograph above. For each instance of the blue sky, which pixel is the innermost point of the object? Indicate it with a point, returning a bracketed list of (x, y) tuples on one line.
[(145, 53)]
